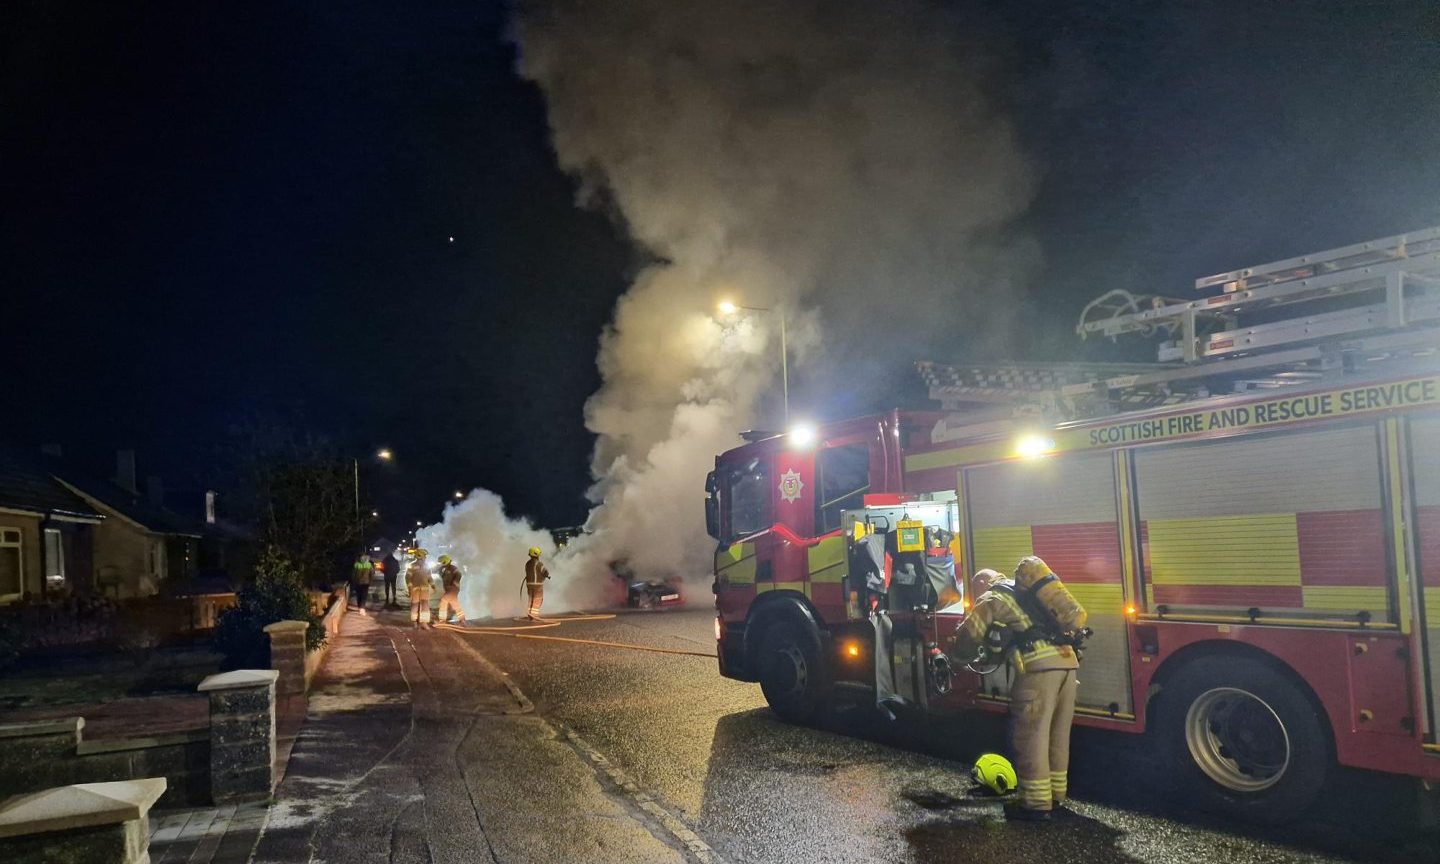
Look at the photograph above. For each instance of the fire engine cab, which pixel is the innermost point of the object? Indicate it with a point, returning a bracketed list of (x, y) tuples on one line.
[(1252, 523)]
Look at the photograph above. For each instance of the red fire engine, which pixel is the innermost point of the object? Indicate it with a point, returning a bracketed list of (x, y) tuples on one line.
[(1253, 525)]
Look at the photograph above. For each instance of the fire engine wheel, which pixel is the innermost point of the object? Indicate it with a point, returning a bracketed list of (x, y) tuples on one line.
[(792, 674), (1245, 738)]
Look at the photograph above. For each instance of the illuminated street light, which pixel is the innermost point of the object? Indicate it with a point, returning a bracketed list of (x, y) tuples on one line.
[(728, 308), (384, 455), (374, 514), (459, 494)]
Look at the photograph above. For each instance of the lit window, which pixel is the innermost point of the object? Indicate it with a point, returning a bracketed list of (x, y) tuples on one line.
[(54, 560), (12, 565)]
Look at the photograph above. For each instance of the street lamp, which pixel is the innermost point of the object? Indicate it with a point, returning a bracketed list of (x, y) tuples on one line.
[(728, 308), (384, 454), (459, 494)]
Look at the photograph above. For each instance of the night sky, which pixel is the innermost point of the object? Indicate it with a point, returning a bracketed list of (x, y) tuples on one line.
[(217, 212)]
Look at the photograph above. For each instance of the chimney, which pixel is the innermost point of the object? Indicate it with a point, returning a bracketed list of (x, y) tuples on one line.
[(155, 490), (125, 471)]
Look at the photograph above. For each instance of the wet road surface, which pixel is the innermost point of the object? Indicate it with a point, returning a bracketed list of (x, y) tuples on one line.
[(865, 789)]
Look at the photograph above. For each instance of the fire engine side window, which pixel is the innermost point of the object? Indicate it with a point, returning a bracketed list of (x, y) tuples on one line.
[(749, 500), (844, 480)]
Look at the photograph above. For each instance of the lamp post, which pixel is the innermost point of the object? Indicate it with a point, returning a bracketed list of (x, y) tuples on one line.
[(384, 455), (728, 308)]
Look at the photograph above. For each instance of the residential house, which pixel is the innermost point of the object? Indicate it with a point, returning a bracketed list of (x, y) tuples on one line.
[(46, 533), (141, 546)]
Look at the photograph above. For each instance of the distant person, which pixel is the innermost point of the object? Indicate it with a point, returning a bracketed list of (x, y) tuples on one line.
[(536, 573), (450, 576), (378, 569), (417, 579), (360, 577), (392, 575)]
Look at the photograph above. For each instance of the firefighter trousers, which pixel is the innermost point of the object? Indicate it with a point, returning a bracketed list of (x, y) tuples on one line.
[(537, 597), (450, 602), (1042, 704), (419, 606)]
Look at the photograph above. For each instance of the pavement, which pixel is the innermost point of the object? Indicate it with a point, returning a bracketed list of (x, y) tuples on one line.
[(615, 740), (416, 749)]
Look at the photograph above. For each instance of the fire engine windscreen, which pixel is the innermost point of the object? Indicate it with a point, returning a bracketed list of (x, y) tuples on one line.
[(820, 161)]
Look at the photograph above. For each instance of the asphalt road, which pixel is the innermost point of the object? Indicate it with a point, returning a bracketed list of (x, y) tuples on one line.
[(863, 789)]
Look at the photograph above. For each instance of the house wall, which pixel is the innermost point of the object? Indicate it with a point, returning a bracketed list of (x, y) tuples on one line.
[(31, 549), (121, 555)]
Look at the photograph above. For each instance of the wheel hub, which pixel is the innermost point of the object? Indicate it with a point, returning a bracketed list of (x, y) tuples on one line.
[(1237, 739), (793, 671)]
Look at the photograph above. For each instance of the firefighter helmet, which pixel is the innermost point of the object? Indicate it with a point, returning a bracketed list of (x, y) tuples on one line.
[(995, 773), (534, 551), (445, 559), (419, 553), (1030, 570)]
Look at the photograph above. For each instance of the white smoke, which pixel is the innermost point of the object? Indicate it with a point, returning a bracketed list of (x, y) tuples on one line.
[(837, 163)]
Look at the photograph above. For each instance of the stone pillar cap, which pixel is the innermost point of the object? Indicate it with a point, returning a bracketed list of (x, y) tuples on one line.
[(42, 727), (285, 626), (84, 805), (239, 678)]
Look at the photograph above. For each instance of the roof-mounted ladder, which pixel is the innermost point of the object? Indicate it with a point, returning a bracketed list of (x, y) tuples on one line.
[(1387, 285)]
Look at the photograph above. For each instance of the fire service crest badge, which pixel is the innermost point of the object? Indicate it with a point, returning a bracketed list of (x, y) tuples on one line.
[(791, 486)]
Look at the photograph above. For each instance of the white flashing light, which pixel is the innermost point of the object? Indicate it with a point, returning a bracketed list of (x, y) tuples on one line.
[(727, 308), (1033, 446), (803, 435)]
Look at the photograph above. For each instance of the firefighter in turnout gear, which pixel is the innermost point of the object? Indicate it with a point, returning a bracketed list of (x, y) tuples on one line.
[(536, 573), (449, 591), (1040, 626), (417, 579)]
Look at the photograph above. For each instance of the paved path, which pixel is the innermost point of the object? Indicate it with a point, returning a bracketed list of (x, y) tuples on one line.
[(214, 835), (416, 750)]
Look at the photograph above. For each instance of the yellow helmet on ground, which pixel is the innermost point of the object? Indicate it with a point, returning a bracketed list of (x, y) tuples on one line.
[(995, 773), (534, 551), (445, 559)]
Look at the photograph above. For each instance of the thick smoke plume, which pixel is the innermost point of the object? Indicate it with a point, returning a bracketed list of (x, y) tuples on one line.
[(836, 162)]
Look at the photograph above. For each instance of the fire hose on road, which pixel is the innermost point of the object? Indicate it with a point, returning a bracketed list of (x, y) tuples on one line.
[(516, 632)]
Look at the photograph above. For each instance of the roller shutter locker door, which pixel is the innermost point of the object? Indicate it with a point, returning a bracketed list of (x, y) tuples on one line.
[(1290, 523), (1424, 445), (1061, 508)]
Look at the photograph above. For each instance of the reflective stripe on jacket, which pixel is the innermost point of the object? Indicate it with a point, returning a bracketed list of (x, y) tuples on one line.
[(997, 607)]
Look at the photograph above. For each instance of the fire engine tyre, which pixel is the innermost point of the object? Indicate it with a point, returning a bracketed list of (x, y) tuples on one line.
[(792, 674), (1244, 738)]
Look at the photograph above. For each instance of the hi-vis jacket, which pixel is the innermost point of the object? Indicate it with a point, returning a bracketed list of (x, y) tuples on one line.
[(1000, 607)]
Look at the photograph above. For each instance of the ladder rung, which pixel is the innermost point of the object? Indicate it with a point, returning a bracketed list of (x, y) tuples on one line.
[(1401, 245)]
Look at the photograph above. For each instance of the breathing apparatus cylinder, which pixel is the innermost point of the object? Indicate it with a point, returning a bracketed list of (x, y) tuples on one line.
[(1065, 612)]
